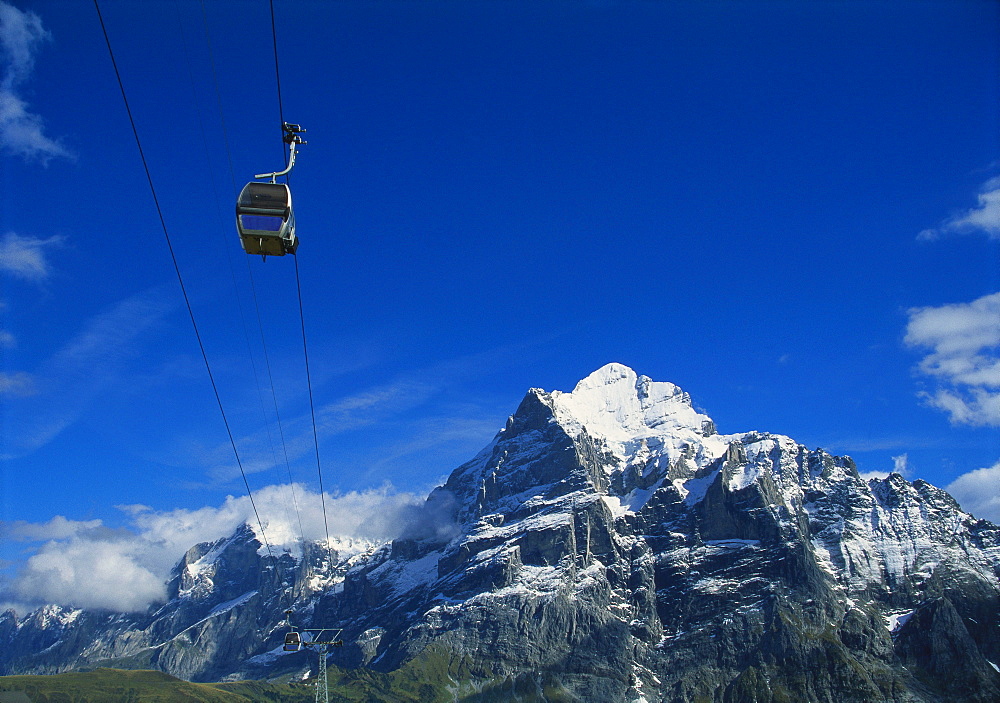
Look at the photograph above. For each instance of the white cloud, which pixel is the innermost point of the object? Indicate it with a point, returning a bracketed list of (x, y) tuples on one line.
[(84, 573), (900, 465), (985, 217), (86, 564), (978, 492), (56, 528), (16, 385), (964, 358), (21, 131), (880, 475), (25, 257), (20, 34), (372, 514)]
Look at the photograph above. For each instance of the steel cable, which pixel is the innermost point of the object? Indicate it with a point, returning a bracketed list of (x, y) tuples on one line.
[(180, 279)]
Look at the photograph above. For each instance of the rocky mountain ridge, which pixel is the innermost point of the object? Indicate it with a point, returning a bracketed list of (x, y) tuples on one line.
[(608, 543)]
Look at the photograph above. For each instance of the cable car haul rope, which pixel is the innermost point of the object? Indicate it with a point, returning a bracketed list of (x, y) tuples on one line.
[(265, 222), (180, 279)]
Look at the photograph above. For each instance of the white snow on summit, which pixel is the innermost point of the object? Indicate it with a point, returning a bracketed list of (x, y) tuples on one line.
[(642, 422), (617, 404)]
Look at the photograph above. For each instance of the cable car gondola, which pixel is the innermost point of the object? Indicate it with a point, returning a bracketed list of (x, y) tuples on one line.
[(264, 215), (265, 219), (293, 642)]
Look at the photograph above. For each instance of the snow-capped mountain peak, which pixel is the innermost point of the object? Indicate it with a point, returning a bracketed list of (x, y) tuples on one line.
[(607, 545), (618, 405)]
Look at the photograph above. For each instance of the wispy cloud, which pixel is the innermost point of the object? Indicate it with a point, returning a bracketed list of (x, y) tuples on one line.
[(985, 217), (856, 444), (964, 358), (22, 131), (7, 339), (26, 257), (431, 433), (17, 385), (978, 492), (420, 450), (365, 408), (54, 395), (368, 406), (86, 564), (388, 403)]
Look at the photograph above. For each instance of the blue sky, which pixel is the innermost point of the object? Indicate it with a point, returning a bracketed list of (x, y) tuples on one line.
[(791, 210)]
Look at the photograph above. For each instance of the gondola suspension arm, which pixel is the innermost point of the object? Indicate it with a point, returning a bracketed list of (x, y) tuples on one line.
[(292, 139)]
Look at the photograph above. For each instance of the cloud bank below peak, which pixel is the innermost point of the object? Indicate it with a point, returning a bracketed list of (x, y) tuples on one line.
[(86, 564)]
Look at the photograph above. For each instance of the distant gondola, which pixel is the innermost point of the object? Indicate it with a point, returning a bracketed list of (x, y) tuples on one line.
[(265, 219), (293, 642)]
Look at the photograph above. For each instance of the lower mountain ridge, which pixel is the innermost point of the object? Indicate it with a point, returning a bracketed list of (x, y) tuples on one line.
[(609, 545)]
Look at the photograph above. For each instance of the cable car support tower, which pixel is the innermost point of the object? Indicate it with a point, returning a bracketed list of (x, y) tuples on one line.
[(321, 641)]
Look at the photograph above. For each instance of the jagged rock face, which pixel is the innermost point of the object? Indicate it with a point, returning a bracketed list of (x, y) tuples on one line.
[(225, 613), (611, 538), (611, 544)]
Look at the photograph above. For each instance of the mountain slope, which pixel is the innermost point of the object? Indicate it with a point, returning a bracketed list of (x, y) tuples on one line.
[(608, 543), (114, 686)]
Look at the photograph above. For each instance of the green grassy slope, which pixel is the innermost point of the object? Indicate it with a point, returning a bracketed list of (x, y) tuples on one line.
[(435, 676), (117, 686)]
